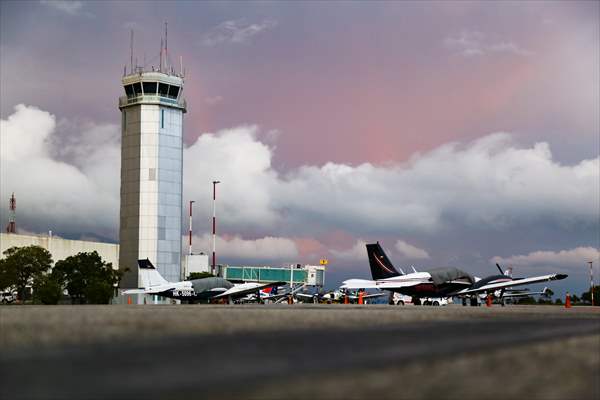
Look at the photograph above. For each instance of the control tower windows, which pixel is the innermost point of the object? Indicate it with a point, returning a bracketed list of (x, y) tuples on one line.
[(129, 91), (137, 88), (150, 88), (163, 89), (173, 91)]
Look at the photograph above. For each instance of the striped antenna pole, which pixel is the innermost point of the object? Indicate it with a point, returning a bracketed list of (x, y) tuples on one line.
[(191, 202), (214, 226), (591, 281)]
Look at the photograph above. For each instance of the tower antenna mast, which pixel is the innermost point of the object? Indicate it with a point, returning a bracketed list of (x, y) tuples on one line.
[(12, 205), (131, 52)]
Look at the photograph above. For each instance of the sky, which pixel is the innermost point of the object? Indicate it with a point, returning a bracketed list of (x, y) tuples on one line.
[(455, 133)]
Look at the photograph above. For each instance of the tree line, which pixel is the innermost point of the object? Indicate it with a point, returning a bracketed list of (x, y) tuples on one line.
[(85, 277)]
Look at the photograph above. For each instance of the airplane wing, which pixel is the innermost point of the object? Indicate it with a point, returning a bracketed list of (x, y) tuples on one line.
[(150, 290), (359, 284), (367, 296), (304, 295), (525, 293), (245, 288), (516, 282)]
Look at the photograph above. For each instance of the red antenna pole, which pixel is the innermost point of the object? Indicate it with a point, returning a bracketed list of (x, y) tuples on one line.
[(12, 206), (214, 226)]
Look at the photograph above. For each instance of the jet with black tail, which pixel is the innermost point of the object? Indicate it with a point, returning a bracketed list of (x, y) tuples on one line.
[(439, 282)]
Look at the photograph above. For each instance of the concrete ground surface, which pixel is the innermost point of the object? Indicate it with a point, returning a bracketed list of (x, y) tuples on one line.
[(299, 351)]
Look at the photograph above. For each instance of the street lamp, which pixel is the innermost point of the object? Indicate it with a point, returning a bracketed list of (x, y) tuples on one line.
[(214, 224), (591, 282), (191, 202)]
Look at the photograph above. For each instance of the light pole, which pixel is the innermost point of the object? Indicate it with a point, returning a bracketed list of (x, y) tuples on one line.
[(191, 203), (591, 282), (214, 224)]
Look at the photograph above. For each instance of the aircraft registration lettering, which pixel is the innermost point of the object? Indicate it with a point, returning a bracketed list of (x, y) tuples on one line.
[(183, 293)]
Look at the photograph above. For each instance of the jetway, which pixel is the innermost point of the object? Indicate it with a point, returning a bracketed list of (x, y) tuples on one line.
[(308, 275)]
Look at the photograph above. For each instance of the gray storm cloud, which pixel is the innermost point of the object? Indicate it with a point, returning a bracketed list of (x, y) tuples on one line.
[(71, 186)]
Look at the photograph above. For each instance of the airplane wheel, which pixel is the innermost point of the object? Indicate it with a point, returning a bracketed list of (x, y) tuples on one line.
[(435, 303)]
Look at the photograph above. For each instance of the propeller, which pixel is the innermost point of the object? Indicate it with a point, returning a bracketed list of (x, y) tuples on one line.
[(499, 269)]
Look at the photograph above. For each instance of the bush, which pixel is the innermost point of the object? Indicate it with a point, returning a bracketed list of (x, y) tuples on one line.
[(47, 290)]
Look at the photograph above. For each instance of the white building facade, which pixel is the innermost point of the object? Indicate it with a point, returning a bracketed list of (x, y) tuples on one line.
[(151, 174), (61, 248)]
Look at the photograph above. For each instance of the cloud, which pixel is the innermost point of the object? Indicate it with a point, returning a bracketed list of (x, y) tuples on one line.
[(236, 31), (410, 251), (266, 249), (576, 258), (74, 197), (473, 43), (356, 252), (66, 178), (69, 7)]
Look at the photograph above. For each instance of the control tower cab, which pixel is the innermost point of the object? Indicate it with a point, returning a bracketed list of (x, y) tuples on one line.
[(151, 173)]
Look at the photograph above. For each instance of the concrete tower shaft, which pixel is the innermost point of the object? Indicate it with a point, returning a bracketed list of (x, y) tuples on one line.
[(151, 174)]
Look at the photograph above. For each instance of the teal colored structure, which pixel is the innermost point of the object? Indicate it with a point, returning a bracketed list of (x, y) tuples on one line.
[(305, 275)]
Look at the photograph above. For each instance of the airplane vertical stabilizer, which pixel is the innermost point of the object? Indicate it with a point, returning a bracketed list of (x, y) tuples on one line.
[(381, 267), (149, 276)]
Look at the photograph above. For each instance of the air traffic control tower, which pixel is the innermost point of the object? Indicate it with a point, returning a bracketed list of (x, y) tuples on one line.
[(151, 171)]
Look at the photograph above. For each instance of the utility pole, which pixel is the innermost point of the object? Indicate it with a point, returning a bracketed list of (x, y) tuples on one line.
[(214, 224), (591, 281), (191, 202)]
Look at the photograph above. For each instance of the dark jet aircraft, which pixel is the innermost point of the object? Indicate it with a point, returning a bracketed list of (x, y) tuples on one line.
[(439, 282)]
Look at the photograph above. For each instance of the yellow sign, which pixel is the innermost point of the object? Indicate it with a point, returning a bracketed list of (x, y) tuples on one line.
[(324, 261)]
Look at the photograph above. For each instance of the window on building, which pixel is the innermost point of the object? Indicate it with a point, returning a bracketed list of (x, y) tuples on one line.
[(137, 88), (152, 174), (163, 89), (150, 88), (162, 118), (162, 233), (129, 90), (173, 91)]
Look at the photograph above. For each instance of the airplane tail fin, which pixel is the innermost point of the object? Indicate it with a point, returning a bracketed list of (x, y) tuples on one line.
[(149, 275), (381, 267)]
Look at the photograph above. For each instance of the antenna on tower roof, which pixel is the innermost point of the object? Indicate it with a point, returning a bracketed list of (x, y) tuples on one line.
[(131, 52), (160, 64)]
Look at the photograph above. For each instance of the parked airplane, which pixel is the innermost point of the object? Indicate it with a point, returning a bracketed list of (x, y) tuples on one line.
[(498, 285), (337, 296), (439, 282), (197, 289)]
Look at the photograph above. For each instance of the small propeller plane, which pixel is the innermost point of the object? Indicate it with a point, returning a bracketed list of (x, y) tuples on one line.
[(197, 289), (439, 282)]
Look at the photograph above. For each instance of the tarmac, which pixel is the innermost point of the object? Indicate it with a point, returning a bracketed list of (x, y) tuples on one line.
[(299, 351)]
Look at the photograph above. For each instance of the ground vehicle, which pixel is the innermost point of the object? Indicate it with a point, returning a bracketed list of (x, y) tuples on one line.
[(400, 299), (435, 301), (7, 297)]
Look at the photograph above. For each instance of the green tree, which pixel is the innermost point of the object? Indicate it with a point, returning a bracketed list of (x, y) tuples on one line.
[(47, 289), (574, 299), (87, 278), (7, 275), (23, 265), (587, 296), (558, 301), (199, 275)]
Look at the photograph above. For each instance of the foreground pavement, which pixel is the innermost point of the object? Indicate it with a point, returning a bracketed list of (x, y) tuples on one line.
[(311, 351)]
